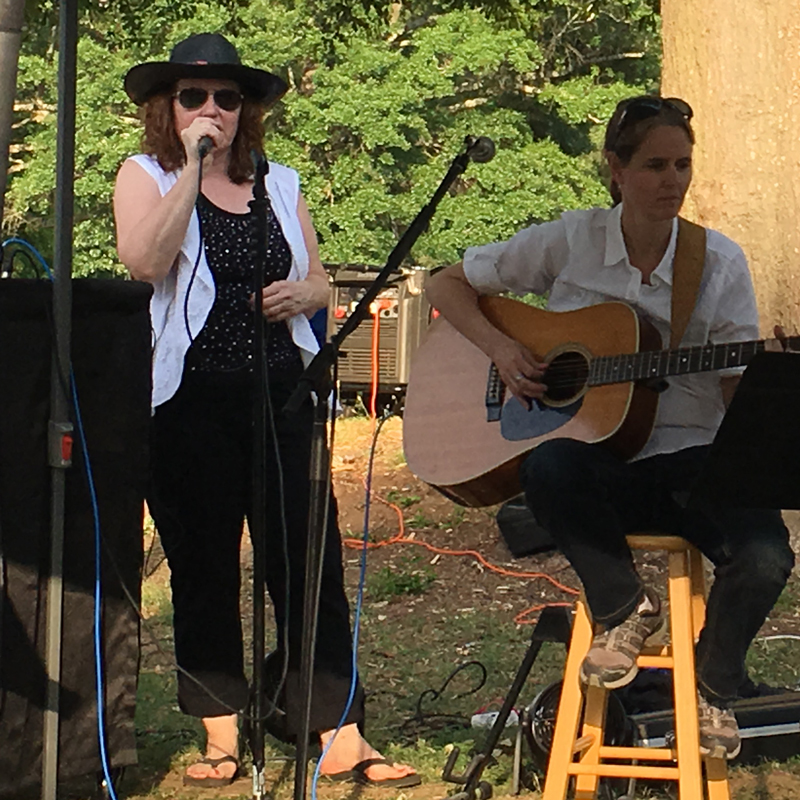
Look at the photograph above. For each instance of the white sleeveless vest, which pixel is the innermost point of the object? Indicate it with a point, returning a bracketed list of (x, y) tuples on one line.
[(170, 338)]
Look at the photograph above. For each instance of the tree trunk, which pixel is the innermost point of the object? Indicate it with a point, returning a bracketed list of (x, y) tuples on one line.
[(738, 65)]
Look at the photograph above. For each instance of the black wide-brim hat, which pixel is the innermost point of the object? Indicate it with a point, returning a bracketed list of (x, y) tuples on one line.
[(203, 55)]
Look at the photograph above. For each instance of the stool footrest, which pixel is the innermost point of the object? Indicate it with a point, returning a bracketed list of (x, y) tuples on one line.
[(625, 771), (656, 662), (640, 753)]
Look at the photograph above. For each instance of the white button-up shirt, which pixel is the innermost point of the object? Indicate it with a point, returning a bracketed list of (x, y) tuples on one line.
[(581, 260)]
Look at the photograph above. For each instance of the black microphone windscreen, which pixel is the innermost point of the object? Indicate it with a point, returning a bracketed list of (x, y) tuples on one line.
[(481, 149)]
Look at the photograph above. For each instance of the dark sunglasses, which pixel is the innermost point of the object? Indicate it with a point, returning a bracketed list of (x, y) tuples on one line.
[(194, 97), (645, 107)]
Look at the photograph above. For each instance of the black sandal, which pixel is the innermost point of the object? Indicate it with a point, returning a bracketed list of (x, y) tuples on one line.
[(208, 781), (358, 775)]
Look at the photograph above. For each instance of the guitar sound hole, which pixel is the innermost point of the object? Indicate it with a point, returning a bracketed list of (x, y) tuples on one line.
[(566, 377)]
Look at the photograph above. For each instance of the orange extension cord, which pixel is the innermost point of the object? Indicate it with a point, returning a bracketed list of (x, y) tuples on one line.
[(375, 310), (522, 618)]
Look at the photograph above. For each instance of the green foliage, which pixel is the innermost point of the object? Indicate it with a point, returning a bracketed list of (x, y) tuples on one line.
[(382, 96)]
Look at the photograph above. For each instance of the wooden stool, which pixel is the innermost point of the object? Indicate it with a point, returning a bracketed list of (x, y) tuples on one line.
[(594, 759)]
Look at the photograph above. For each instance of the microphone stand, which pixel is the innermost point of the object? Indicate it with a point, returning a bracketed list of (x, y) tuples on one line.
[(257, 524), (317, 378)]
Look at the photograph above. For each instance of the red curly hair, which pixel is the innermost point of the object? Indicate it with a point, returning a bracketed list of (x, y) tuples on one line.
[(162, 141)]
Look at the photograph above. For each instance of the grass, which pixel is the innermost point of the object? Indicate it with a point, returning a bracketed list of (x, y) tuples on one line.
[(424, 636), (775, 661), (165, 737), (412, 578), (421, 520), (402, 498)]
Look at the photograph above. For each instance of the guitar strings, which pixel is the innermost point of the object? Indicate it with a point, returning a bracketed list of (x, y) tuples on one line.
[(576, 370)]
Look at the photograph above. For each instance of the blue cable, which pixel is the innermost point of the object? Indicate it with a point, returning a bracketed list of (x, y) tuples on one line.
[(98, 656), (39, 258), (357, 620)]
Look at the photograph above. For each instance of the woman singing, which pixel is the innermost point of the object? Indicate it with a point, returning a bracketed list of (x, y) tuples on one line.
[(183, 224)]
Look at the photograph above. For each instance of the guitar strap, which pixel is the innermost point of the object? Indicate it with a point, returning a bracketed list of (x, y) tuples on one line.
[(687, 271)]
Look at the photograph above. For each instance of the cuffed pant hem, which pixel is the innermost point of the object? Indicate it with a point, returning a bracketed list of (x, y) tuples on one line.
[(611, 620), (228, 695), (718, 700)]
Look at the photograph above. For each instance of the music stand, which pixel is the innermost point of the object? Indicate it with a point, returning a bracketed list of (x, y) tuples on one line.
[(754, 461)]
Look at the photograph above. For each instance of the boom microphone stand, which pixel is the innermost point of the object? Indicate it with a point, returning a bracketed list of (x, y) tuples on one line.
[(317, 378)]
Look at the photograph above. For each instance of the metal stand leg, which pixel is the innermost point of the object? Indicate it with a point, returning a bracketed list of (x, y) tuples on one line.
[(553, 626)]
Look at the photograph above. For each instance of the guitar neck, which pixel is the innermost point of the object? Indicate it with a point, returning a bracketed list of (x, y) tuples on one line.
[(683, 361)]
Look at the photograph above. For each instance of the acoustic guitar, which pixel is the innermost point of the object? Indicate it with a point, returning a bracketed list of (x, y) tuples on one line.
[(466, 436)]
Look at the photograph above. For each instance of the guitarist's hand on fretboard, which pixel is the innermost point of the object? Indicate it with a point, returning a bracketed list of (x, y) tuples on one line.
[(521, 372), (783, 339)]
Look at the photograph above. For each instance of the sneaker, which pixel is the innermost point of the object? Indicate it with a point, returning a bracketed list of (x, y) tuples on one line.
[(611, 660), (719, 731)]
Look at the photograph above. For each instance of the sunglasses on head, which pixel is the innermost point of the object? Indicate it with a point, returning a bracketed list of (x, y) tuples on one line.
[(194, 97), (645, 107)]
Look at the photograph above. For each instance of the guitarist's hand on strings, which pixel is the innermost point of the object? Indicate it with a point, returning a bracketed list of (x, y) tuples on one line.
[(520, 371)]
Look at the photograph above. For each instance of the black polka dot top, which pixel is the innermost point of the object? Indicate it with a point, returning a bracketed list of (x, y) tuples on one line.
[(226, 341)]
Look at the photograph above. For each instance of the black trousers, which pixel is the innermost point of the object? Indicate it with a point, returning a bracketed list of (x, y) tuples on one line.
[(200, 493), (590, 500)]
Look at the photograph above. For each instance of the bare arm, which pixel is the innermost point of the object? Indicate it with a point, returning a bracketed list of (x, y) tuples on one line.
[(450, 292), (151, 228), (317, 277), (284, 299)]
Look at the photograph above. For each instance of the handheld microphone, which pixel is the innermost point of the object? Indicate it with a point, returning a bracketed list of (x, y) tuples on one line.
[(204, 146), (480, 148)]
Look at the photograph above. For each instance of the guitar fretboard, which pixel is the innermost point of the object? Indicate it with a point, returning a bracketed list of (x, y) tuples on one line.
[(683, 361)]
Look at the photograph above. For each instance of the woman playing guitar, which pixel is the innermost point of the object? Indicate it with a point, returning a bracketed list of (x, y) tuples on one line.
[(588, 497)]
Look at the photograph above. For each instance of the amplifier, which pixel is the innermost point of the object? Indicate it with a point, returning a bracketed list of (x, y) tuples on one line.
[(403, 317)]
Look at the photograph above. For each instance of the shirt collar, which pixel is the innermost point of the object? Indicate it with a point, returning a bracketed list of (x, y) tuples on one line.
[(617, 253), (615, 244)]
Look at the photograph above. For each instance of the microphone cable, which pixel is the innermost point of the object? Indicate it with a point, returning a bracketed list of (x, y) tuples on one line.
[(196, 212), (283, 644)]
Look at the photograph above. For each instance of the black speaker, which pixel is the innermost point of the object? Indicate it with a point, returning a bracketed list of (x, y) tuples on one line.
[(111, 362), (523, 535)]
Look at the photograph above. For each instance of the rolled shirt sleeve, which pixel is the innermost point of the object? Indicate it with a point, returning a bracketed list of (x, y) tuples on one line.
[(528, 262)]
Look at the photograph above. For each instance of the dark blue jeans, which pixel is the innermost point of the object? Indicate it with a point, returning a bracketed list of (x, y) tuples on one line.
[(589, 500)]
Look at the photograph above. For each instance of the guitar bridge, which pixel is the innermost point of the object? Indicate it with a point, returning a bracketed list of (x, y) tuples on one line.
[(495, 394)]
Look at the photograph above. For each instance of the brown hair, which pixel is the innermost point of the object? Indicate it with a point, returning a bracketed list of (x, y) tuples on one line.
[(162, 141), (624, 139)]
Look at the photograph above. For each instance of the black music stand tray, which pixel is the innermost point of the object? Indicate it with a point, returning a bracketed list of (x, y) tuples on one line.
[(754, 460)]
